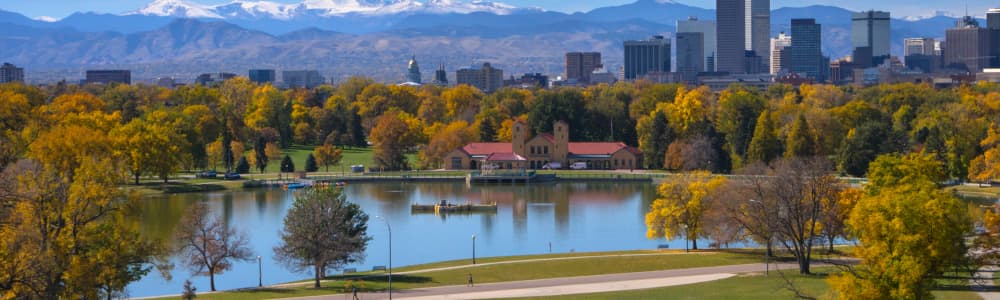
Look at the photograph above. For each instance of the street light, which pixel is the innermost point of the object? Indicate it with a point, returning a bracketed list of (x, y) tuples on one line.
[(767, 264), (473, 249), (389, 227), (260, 273), (685, 226)]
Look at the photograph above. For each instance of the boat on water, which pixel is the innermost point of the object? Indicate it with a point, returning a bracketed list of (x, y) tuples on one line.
[(445, 207), (294, 186)]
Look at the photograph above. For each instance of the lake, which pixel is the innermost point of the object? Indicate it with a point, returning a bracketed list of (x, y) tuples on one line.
[(580, 217)]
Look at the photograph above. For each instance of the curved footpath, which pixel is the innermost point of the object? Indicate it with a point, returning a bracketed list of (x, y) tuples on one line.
[(569, 285)]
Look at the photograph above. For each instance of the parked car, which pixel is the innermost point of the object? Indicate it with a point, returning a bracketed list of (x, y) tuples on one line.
[(552, 166), (206, 174), (578, 166), (231, 176)]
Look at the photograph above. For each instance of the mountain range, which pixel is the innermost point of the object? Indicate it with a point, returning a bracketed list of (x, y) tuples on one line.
[(366, 37)]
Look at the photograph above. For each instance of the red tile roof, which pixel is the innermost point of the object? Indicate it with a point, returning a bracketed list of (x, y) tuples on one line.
[(488, 148), (500, 156), (599, 148)]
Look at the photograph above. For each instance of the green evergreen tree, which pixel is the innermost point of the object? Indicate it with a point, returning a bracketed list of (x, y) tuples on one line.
[(243, 167), (287, 166), (800, 142), (311, 165), (765, 145)]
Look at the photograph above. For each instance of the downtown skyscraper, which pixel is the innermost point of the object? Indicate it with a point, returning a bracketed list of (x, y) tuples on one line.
[(742, 25)]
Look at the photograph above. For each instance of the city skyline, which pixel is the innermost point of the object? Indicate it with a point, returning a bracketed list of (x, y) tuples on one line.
[(52, 10)]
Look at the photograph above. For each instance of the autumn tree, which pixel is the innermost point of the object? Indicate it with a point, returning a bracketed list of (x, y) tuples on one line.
[(786, 197), (765, 145), (322, 231), (152, 144), (394, 134), (207, 245), (799, 142), (259, 157), (986, 167), (655, 136), (68, 233), (681, 205), (327, 156), (908, 231), (453, 136), (739, 109)]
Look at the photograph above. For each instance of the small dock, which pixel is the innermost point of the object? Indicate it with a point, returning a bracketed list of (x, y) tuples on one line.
[(445, 207), (508, 176)]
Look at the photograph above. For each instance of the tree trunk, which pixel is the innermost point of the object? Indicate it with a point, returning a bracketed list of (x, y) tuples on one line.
[(136, 178), (316, 285), (211, 279), (831, 244), (804, 266), (694, 244), (769, 252)]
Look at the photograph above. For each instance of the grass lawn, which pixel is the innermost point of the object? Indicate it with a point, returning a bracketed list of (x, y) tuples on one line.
[(752, 286), (660, 260)]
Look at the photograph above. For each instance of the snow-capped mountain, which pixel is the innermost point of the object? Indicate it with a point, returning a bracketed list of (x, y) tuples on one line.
[(176, 8), (256, 9)]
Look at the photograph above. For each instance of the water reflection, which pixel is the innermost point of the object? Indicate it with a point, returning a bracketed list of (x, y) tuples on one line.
[(572, 217)]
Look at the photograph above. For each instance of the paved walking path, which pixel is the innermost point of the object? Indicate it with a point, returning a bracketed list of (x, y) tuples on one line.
[(984, 278), (570, 285), (479, 265)]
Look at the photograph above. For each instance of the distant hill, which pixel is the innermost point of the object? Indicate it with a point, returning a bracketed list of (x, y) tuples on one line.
[(368, 37)]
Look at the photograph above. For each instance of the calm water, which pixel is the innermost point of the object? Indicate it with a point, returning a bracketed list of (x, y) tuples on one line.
[(570, 216)]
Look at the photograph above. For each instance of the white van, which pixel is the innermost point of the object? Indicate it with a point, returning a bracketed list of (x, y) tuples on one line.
[(578, 166)]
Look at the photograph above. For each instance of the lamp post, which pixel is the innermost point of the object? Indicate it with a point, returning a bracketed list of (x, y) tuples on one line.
[(685, 226), (260, 273), (767, 264), (389, 227), (473, 249)]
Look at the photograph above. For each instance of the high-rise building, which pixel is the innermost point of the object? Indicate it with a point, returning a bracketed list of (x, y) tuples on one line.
[(806, 49), (918, 46), (486, 78), (211, 79), (579, 65), (690, 54), (731, 34), (871, 29), (645, 57), (743, 25), (759, 30), (302, 79), (109, 76), (707, 30), (993, 19), (441, 76), (920, 54), (780, 53), (413, 71), (262, 76), (968, 46), (11, 73)]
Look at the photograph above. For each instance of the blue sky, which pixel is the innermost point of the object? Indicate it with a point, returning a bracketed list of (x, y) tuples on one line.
[(62, 8)]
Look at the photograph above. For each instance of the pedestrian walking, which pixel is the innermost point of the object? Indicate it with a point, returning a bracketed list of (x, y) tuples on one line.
[(470, 280), (355, 291)]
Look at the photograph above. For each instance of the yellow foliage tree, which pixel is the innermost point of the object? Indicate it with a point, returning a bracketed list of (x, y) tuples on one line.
[(456, 134), (986, 167), (681, 205), (152, 144), (908, 230), (326, 155)]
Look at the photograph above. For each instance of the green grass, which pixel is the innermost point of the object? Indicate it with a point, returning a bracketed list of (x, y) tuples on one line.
[(751, 286), (515, 271)]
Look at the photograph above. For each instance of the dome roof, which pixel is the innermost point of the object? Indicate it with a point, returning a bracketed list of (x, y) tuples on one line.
[(413, 62)]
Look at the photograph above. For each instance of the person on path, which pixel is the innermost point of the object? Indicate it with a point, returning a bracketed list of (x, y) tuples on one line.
[(355, 291), (470, 280)]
